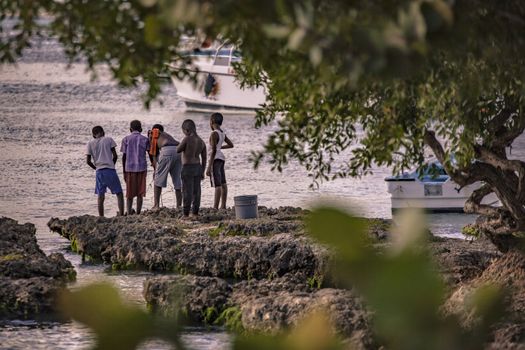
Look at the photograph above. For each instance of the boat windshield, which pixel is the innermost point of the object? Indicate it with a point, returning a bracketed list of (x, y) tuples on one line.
[(220, 55), (434, 169), (433, 172)]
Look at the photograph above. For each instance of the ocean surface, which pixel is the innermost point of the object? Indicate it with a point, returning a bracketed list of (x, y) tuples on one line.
[(47, 110)]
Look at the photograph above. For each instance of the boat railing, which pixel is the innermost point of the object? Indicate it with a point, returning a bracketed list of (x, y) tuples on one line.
[(224, 57)]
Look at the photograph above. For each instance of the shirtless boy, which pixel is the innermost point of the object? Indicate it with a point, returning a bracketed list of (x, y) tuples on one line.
[(168, 162), (101, 156), (216, 162), (192, 147), (134, 148)]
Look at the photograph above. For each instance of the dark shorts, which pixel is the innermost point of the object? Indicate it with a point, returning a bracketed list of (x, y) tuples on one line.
[(107, 178), (218, 177), (135, 184)]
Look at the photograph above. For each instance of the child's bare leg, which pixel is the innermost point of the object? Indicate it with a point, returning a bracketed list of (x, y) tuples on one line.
[(139, 204), (224, 195), (120, 202), (100, 203), (157, 191), (218, 191), (129, 205), (178, 196)]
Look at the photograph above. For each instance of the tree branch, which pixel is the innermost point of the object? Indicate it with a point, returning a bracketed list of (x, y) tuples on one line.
[(461, 178), (504, 137), (497, 123), (514, 166), (473, 204)]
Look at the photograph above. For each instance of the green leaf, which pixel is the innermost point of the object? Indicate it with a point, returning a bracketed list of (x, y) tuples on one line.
[(152, 29), (341, 231), (117, 325)]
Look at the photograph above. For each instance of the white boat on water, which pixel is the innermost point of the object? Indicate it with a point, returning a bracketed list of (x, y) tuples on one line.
[(432, 191), (217, 88)]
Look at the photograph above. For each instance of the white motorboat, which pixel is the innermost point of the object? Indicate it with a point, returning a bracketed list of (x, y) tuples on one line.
[(217, 88), (432, 191)]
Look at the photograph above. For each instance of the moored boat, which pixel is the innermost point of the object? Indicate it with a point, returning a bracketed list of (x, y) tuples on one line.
[(217, 88), (431, 190)]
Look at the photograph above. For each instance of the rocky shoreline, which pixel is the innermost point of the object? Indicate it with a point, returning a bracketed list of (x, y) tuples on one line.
[(29, 280), (260, 275), (216, 246)]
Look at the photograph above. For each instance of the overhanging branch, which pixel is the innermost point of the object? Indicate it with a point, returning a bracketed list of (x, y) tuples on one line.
[(460, 177), (473, 204)]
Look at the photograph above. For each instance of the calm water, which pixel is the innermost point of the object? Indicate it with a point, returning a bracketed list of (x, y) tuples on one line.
[(46, 116)]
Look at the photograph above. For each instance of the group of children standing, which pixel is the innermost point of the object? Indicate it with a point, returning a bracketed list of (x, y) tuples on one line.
[(186, 162)]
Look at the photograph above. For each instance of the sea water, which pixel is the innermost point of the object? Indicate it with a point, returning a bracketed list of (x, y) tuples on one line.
[(47, 110)]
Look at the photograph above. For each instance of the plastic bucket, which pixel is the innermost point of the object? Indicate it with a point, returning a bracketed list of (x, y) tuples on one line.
[(245, 207)]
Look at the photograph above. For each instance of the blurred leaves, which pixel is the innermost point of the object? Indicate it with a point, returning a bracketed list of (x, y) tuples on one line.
[(117, 325), (313, 333), (324, 224), (401, 284)]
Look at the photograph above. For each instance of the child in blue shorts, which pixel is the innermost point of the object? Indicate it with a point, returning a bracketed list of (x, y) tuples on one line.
[(102, 156)]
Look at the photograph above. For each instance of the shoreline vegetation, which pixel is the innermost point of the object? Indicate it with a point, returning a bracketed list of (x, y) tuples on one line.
[(260, 275)]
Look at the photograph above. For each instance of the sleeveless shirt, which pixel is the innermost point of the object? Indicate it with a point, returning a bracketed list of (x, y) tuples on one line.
[(219, 154)]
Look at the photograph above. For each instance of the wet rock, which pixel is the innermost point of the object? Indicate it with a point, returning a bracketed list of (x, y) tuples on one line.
[(460, 260), (149, 242), (379, 229), (29, 280), (274, 305), (248, 257), (256, 227), (283, 213), (206, 215), (209, 215), (269, 306), (127, 242), (21, 257), (199, 299), (29, 298)]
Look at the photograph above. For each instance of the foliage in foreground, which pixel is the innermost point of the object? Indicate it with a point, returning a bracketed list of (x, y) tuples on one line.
[(400, 285)]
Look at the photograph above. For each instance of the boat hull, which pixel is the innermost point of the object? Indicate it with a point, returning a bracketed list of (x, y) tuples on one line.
[(224, 94), (438, 197)]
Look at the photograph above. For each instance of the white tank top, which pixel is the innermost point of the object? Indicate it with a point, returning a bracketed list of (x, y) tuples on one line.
[(219, 154)]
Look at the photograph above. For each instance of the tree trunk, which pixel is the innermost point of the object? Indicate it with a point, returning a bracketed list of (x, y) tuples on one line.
[(504, 225)]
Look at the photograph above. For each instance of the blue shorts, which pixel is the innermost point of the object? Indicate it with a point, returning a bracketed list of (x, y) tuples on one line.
[(107, 178)]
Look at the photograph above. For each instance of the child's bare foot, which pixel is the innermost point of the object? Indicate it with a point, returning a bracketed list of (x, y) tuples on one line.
[(155, 208)]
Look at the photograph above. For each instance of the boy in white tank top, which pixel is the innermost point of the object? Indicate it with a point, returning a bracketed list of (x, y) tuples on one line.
[(215, 169)]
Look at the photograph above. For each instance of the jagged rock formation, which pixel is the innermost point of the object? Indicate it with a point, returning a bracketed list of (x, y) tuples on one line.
[(29, 280), (272, 245), (507, 273), (260, 275), (269, 306)]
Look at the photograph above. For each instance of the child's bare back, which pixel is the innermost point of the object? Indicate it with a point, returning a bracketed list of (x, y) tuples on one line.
[(192, 147), (193, 158)]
